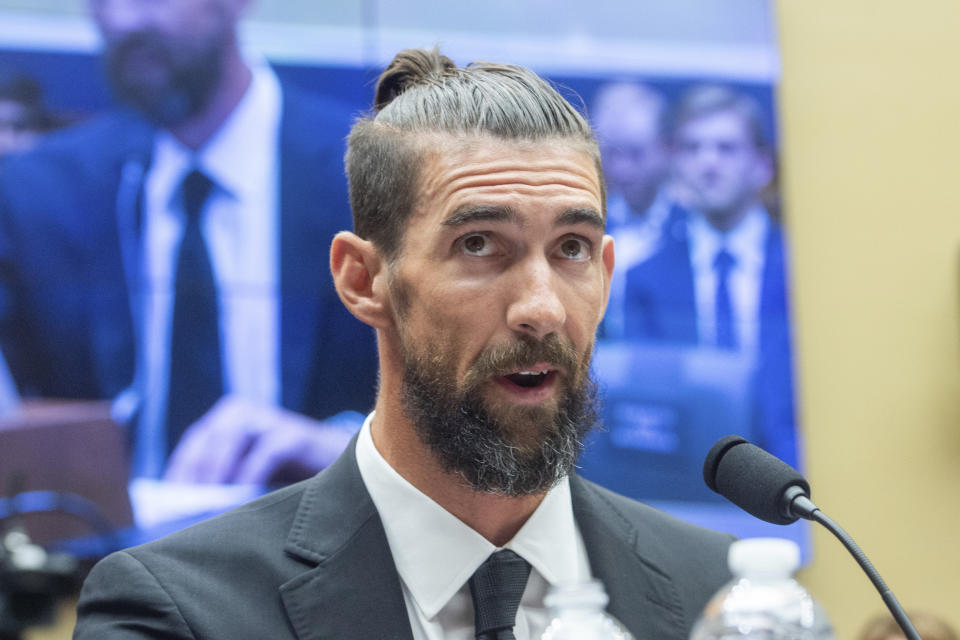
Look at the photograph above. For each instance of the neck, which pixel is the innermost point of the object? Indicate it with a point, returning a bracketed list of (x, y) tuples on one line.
[(497, 518), (640, 201), (726, 220), (233, 84)]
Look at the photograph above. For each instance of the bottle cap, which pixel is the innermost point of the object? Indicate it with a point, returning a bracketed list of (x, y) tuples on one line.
[(763, 557), (590, 594)]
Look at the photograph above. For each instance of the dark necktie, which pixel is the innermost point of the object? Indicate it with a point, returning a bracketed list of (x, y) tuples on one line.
[(195, 380), (723, 263), (497, 587)]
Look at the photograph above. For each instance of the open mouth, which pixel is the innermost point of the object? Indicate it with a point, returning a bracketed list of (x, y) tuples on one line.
[(530, 379)]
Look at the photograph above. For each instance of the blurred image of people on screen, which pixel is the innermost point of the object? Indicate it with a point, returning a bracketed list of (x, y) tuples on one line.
[(699, 342), (23, 114), (630, 121), (171, 255), (722, 282)]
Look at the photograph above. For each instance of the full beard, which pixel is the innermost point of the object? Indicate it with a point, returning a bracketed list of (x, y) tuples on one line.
[(182, 83), (505, 450)]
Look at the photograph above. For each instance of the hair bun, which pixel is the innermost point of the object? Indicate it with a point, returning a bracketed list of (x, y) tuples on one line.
[(409, 68)]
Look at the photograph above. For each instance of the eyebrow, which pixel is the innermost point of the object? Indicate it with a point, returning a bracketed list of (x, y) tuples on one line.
[(492, 213), (580, 216), (480, 213)]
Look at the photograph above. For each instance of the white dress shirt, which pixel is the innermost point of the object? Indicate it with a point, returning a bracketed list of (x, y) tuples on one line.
[(746, 243), (435, 553), (240, 225)]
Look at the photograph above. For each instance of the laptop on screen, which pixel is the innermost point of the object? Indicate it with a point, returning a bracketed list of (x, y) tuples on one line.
[(67, 447)]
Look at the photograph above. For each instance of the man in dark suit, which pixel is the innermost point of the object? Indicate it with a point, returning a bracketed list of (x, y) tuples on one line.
[(479, 256), (91, 300), (719, 277)]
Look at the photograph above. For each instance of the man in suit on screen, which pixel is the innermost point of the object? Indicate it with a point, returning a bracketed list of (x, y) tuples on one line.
[(718, 279), (480, 258), (165, 255)]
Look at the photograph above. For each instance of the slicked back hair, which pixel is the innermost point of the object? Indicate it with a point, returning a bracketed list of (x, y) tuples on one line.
[(703, 101), (420, 97)]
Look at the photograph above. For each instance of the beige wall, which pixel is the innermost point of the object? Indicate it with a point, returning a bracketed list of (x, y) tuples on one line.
[(870, 102)]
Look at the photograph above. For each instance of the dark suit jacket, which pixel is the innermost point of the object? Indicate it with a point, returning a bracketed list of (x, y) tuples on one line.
[(660, 306), (311, 561), (67, 213)]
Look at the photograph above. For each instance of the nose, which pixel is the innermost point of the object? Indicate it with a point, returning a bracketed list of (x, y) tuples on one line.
[(709, 155), (536, 308)]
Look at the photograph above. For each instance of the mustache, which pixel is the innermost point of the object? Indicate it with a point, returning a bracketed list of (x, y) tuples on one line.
[(524, 352)]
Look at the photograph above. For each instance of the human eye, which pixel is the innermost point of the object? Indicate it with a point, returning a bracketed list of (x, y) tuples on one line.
[(574, 248), (728, 148), (476, 244)]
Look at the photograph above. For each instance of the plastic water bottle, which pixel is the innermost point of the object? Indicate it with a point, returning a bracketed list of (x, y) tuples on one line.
[(763, 601), (578, 613)]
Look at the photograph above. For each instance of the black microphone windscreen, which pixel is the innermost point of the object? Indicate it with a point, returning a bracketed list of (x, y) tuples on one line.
[(751, 478)]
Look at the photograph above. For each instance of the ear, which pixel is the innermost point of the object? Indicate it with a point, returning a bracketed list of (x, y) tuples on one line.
[(607, 257), (360, 276), (763, 170)]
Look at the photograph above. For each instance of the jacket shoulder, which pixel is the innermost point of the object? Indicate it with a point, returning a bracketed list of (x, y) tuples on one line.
[(210, 578), (653, 524), (267, 518), (85, 157)]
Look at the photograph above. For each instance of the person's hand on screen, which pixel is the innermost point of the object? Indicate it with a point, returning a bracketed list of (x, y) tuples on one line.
[(239, 441)]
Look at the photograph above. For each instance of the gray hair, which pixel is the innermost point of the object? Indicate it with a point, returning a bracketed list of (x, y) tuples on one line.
[(423, 94)]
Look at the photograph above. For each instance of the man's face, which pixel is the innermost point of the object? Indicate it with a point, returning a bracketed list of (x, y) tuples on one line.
[(634, 154), (165, 57), (499, 287), (718, 163)]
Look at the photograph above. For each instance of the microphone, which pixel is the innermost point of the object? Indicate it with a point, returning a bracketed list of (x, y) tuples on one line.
[(757, 482), (768, 488)]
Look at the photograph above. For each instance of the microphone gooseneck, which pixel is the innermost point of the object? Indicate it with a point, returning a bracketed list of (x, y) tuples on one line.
[(768, 488)]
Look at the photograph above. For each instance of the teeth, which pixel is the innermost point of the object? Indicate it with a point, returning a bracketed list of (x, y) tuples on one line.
[(534, 373)]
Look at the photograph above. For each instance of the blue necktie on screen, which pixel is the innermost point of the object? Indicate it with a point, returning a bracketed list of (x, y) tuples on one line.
[(723, 263), (195, 380)]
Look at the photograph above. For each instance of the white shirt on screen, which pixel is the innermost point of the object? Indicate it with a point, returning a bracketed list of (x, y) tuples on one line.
[(746, 243), (240, 225), (435, 553)]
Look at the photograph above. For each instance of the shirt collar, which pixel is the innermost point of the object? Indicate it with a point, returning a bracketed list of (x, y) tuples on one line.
[(435, 553), (745, 241)]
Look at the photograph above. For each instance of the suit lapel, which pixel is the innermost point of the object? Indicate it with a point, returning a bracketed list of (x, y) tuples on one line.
[(774, 419), (298, 237), (642, 596), (312, 207), (773, 297), (111, 231), (680, 303), (352, 589)]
